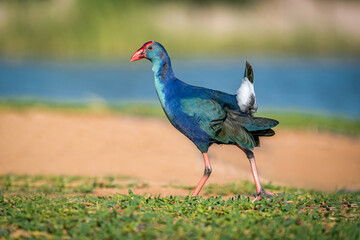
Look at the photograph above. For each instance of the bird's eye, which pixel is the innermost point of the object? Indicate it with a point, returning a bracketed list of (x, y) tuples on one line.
[(150, 47)]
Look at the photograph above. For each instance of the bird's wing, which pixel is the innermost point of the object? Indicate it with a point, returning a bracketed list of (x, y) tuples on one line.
[(216, 122)]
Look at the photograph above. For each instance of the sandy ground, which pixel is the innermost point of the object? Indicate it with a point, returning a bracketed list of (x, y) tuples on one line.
[(152, 151)]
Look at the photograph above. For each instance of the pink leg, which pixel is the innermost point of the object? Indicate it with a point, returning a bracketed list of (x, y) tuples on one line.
[(206, 175), (259, 190), (255, 175)]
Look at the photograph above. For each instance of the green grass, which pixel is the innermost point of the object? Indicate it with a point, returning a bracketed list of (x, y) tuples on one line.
[(296, 214), (244, 187), (136, 109), (293, 120), (31, 184)]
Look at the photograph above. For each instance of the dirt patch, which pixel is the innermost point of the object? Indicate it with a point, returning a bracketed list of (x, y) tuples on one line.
[(152, 151)]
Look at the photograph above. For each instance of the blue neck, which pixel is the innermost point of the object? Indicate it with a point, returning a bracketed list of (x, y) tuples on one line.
[(162, 68), (163, 75)]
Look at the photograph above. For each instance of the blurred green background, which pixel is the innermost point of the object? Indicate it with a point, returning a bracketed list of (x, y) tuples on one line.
[(113, 29)]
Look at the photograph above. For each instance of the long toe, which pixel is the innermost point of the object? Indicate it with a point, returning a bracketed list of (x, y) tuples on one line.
[(258, 198), (265, 194), (269, 194)]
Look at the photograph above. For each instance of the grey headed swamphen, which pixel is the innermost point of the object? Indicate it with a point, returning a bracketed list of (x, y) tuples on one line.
[(208, 116)]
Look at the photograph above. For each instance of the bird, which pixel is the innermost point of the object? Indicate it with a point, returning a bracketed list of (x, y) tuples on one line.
[(207, 116)]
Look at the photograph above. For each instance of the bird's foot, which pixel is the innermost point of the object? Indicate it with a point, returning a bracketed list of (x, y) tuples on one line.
[(264, 193)]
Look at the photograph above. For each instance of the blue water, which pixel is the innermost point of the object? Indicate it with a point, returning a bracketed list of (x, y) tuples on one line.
[(330, 86)]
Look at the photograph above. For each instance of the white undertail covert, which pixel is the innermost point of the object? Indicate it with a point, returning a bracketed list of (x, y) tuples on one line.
[(245, 97)]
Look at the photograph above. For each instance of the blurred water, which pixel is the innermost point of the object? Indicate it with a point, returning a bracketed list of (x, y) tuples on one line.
[(330, 86)]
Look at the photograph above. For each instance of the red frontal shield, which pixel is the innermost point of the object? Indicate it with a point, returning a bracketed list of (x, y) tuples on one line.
[(140, 53)]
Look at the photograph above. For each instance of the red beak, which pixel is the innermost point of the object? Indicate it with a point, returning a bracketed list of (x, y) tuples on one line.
[(139, 54)]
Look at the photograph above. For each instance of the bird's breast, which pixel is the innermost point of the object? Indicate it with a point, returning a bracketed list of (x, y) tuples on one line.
[(164, 94)]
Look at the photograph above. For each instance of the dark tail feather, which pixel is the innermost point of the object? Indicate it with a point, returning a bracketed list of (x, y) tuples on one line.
[(253, 123), (263, 133), (249, 73)]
